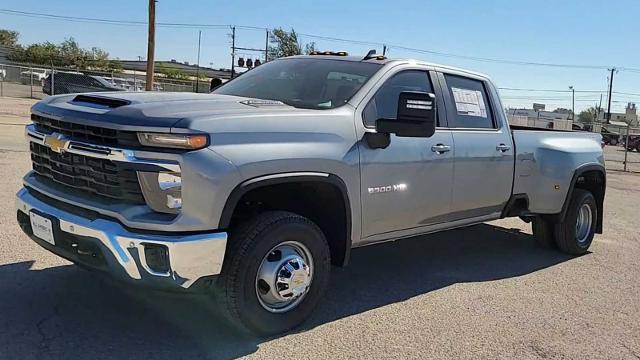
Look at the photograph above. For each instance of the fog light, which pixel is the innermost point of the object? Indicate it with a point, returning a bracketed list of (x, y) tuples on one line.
[(157, 257)]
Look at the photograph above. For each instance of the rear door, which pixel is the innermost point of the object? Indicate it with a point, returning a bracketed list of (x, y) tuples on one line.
[(484, 153), (408, 184)]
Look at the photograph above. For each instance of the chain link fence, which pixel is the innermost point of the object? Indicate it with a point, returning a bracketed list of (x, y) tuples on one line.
[(37, 81), (624, 155), (621, 144)]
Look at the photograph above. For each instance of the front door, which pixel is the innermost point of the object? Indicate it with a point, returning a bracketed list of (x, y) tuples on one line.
[(408, 184)]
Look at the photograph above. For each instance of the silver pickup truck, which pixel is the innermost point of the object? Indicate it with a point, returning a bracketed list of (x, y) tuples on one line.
[(252, 192)]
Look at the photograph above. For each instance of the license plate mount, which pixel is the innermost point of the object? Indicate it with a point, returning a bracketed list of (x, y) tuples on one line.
[(42, 227)]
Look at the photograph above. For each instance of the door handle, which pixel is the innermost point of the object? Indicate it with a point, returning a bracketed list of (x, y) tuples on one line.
[(440, 148), (503, 148)]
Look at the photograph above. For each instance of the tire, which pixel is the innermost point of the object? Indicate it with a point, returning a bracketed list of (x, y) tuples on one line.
[(568, 238), (274, 233), (543, 232), (613, 141)]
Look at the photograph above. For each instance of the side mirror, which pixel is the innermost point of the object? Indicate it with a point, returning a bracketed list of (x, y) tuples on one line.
[(416, 116)]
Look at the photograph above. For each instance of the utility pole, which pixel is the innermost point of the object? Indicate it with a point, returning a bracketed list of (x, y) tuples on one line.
[(198, 64), (151, 44), (233, 50), (610, 91), (573, 102), (266, 47)]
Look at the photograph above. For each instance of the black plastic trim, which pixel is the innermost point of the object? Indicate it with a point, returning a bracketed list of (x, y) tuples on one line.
[(102, 100), (578, 172), (510, 208), (251, 184)]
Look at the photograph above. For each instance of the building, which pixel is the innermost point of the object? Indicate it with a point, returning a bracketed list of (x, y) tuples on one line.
[(629, 116), (539, 118)]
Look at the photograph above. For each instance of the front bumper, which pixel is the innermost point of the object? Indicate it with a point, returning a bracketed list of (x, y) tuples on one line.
[(105, 245)]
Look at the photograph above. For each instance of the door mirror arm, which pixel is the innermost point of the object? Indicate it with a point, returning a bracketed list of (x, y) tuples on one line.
[(377, 140)]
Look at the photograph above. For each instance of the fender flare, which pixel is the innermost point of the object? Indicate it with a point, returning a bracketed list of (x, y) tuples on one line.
[(283, 178), (600, 201)]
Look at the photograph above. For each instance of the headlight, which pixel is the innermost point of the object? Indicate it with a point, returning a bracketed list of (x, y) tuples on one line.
[(175, 141)]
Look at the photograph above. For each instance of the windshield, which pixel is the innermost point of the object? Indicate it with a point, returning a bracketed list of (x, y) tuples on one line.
[(303, 82)]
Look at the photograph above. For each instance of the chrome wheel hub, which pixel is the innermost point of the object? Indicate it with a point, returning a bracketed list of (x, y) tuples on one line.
[(583, 223), (284, 276)]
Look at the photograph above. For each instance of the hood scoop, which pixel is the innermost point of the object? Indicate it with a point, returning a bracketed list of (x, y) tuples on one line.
[(99, 102)]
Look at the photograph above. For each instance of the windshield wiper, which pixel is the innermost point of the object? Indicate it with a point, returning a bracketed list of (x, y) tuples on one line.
[(300, 104)]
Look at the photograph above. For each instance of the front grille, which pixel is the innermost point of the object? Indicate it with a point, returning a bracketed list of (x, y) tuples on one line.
[(96, 177), (85, 133)]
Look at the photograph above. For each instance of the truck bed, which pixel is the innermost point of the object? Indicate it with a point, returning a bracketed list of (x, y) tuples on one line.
[(546, 160)]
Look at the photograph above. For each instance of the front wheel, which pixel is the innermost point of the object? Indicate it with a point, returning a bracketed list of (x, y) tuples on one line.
[(275, 272)]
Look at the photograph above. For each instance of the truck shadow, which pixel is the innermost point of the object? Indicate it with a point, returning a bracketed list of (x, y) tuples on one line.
[(65, 312)]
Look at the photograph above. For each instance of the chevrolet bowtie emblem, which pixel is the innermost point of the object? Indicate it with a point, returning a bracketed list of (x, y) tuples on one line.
[(56, 142)]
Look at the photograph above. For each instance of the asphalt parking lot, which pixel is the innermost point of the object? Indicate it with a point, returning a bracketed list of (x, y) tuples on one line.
[(481, 292)]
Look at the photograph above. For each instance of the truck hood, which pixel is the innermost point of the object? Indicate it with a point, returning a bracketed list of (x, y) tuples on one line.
[(155, 111)]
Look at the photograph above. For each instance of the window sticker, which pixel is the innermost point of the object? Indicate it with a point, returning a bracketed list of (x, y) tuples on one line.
[(469, 102)]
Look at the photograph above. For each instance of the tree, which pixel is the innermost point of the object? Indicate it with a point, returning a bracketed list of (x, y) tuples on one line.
[(101, 61), (588, 115), (172, 73), (309, 48), (9, 38), (285, 43), (67, 53), (563, 111), (42, 53)]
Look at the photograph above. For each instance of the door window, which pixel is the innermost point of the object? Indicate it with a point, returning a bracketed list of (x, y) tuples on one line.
[(471, 103), (384, 105)]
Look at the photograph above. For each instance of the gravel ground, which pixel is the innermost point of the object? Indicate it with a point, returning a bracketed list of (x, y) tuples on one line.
[(481, 292)]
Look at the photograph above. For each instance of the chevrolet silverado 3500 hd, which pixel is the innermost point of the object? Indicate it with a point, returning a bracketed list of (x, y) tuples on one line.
[(253, 191)]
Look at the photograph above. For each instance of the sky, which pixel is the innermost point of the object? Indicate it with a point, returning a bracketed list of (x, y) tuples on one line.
[(587, 32)]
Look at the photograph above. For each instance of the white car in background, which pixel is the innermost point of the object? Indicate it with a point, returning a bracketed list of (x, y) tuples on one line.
[(38, 76)]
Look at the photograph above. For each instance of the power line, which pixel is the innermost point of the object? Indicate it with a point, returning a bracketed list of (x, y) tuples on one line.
[(116, 22), (625, 93), (319, 37)]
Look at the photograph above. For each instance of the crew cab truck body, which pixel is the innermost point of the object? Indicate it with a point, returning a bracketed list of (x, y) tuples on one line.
[(253, 191)]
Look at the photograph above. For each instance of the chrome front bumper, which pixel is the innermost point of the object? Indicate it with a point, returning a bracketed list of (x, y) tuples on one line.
[(191, 257)]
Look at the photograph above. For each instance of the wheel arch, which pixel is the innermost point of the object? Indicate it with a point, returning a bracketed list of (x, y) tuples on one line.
[(340, 246), (593, 178)]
